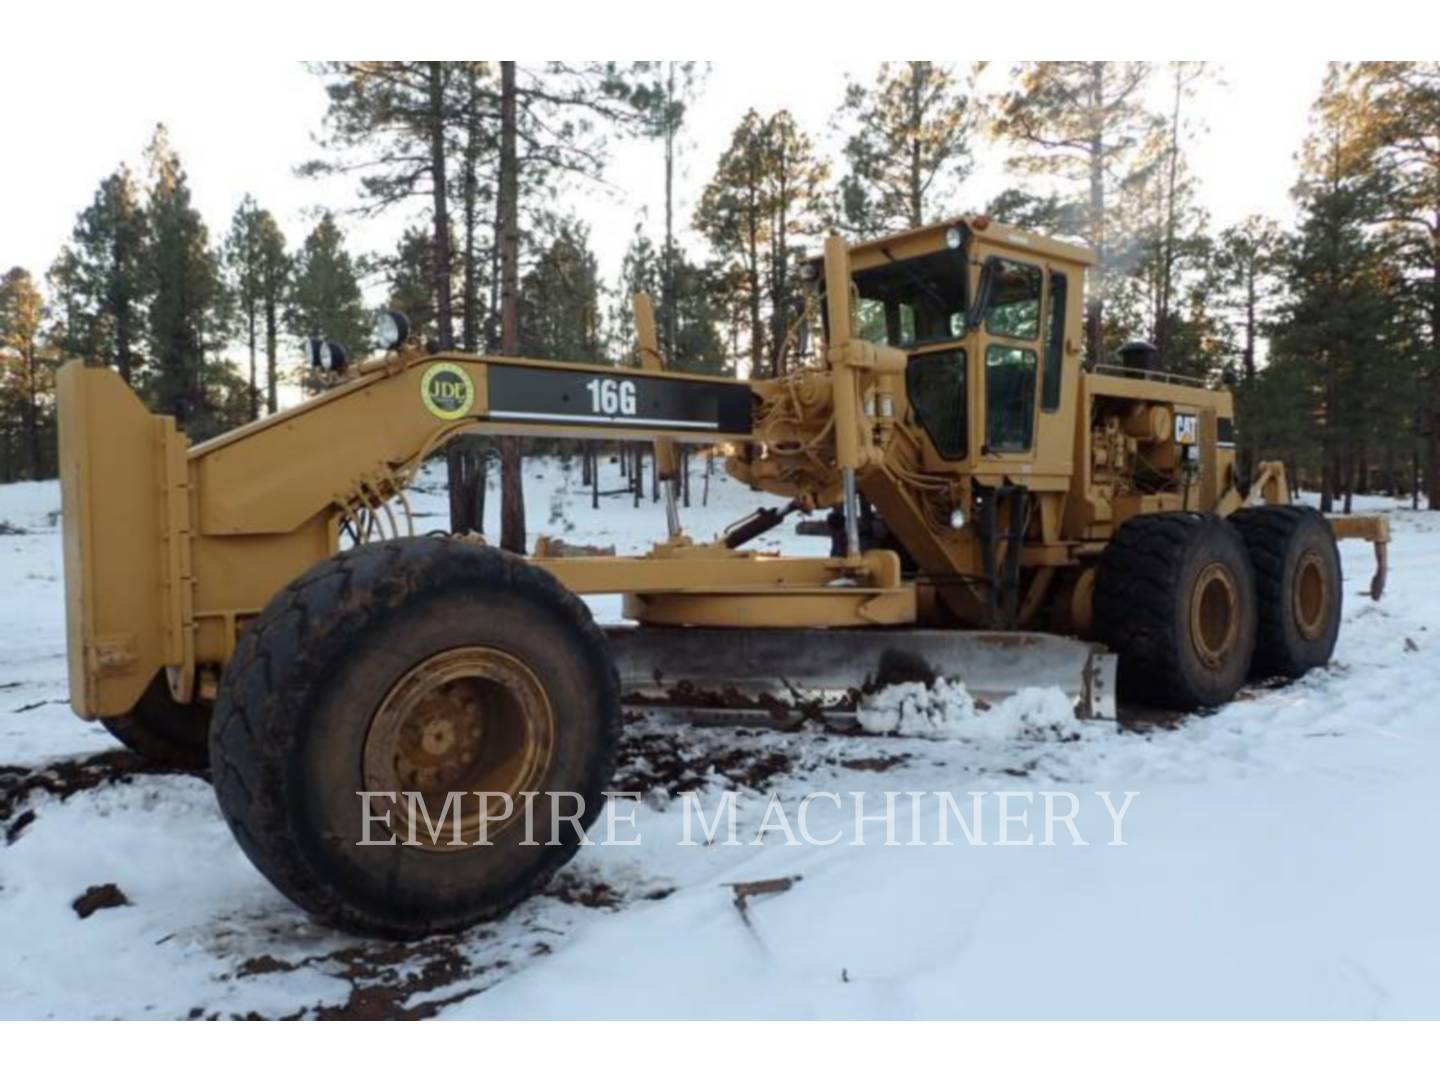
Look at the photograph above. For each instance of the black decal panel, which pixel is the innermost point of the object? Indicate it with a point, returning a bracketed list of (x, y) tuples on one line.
[(611, 397)]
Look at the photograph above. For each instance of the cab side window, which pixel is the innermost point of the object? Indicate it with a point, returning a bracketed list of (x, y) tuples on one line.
[(935, 385), (1009, 399), (1014, 309), (1054, 344)]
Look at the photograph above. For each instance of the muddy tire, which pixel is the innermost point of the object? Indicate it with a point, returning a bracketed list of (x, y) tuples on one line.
[(1297, 586), (163, 731), (426, 666), (1175, 599)]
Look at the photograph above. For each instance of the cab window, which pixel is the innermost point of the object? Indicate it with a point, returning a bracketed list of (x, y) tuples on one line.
[(912, 302), (1014, 309), (935, 385), (1009, 399)]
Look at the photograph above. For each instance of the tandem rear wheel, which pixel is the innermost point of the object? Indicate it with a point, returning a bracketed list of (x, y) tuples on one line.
[(1175, 599), (1297, 585), (1194, 605), (454, 684)]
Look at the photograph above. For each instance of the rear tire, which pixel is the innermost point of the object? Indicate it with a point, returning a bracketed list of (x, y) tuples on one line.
[(424, 665), (1297, 585), (1175, 598), (163, 731)]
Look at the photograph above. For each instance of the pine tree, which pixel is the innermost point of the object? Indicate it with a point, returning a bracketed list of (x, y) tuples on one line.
[(391, 122), (1337, 320), (699, 346), (101, 281), (275, 267), (1048, 214), (25, 376), (325, 297), (764, 201), (641, 270), (560, 299), (1244, 282), (185, 286), (244, 266), (409, 273), (1396, 106), (907, 147), (1081, 121), (662, 93), (1247, 260), (1160, 246)]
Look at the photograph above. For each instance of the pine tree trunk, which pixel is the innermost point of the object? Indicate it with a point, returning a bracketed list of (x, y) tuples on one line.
[(1432, 472), (1095, 305), (916, 67), (1167, 261), (670, 301), (123, 362), (757, 328), (32, 410), (272, 334), (444, 317), (512, 492), (465, 464), (254, 374), (470, 300)]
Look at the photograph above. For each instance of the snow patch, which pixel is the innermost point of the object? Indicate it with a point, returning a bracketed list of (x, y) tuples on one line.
[(946, 710)]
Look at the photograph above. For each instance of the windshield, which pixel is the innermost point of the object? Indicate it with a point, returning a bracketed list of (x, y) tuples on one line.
[(914, 301)]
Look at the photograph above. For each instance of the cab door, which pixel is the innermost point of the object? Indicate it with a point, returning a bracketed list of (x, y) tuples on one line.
[(1008, 342), (1026, 368)]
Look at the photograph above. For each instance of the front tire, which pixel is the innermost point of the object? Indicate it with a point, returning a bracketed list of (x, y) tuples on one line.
[(424, 666), (1298, 587), (1175, 598)]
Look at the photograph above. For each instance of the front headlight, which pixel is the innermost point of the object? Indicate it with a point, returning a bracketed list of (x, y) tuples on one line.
[(391, 329), (326, 355)]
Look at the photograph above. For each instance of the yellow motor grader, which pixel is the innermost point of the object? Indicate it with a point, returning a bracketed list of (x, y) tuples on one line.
[(1001, 515)]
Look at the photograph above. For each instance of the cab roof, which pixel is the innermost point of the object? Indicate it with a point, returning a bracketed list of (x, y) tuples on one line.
[(931, 238)]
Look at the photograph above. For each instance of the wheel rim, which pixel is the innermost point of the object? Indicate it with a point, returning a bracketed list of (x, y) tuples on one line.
[(466, 720), (1310, 597), (1214, 629)]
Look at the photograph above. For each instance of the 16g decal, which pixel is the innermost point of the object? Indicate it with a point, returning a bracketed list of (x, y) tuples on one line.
[(612, 397)]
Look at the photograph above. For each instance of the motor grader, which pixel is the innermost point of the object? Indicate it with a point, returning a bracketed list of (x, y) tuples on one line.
[(1002, 515)]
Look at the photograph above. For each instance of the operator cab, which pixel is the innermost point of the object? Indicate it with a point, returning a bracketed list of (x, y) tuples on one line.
[(965, 291)]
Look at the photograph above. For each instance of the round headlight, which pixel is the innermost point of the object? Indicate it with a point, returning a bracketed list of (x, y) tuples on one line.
[(957, 518), (391, 329), (327, 355), (953, 238)]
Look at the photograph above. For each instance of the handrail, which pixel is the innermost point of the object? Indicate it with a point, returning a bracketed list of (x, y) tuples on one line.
[(1158, 376)]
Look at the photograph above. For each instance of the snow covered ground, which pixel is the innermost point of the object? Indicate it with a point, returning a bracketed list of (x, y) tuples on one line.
[(1279, 855)]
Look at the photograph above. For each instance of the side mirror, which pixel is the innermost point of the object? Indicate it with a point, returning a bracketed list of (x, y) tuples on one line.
[(976, 315)]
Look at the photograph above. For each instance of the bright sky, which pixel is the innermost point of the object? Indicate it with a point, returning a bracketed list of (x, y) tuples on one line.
[(241, 124)]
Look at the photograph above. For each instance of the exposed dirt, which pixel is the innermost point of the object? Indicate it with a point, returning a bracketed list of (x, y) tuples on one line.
[(383, 979), (416, 980), (386, 978), (678, 761), (877, 764), (63, 779), (98, 897)]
